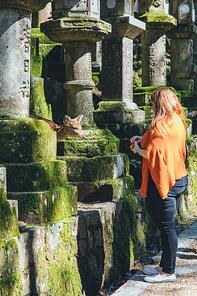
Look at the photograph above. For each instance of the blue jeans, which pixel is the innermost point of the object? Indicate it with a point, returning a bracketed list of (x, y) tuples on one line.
[(163, 211)]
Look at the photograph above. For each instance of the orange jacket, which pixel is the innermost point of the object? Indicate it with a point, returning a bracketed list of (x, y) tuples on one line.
[(165, 156)]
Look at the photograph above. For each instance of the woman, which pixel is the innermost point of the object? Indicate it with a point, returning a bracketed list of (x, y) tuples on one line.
[(164, 176)]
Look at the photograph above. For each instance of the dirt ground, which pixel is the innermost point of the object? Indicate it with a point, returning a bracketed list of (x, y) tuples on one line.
[(185, 285)]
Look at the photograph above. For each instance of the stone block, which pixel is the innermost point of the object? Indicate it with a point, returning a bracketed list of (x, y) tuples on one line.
[(125, 26), (47, 206), (124, 130), (3, 183), (96, 168), (26, 140), (121, 116), (183, 66), (38, 176), (8, 221), (107, 190), (97, 142), (13, 204)]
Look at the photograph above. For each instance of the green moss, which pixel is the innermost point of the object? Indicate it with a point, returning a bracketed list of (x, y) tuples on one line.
[(11, 280), (8, 221), (60, 269), (150, 89), (158, 17), (43, 39), (36, 66), (97, 142), (3, 195), (47, 207), (59, 204), (23, 141), (39, 176), (91, 169), (38, 105)]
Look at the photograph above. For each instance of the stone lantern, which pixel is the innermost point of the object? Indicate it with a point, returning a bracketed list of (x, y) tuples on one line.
[(77, 25), (158, 23), (183, 68), (117, 64), (15, 33)]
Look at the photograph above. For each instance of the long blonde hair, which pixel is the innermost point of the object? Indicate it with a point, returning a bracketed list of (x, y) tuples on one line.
[(166, 103)]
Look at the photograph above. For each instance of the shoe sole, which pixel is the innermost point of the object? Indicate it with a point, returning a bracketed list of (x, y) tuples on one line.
[(164, 281)]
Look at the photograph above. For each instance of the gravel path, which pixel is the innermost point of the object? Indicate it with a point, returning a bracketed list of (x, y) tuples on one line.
[(186, 284)]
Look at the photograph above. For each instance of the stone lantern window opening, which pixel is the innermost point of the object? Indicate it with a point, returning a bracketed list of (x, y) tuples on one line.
[(185, 11)]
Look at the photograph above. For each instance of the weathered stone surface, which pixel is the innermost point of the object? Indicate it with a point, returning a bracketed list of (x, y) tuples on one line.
[(47, 206), (69, 29), (182, 59), (3, 183), (183, 31), (97, 142), (182, 11), (68, 8), (29, 5), (44, 254), (14, 54), (117, 75), (154, 57), (42, 15), (125, 26), (96, 168), (116, 8), (26, 140), (105, 190), (8, 221), (39, 176), (79, 82), (124, 115)]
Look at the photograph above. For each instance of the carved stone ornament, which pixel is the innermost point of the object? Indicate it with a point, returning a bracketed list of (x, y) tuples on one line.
[(29, 5), (157, 3)]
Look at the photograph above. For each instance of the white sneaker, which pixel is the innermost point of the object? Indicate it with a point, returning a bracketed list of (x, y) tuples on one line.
[(160, 278), (150, 271)]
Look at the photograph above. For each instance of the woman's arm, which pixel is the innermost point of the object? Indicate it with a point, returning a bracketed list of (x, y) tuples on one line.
[(140, 151)]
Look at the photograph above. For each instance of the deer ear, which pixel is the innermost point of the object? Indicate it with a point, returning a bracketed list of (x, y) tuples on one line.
[(79, 118), (66, 119)]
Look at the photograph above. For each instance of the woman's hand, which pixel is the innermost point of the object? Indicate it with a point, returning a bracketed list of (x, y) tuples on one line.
[(134, 146), (135, 139)]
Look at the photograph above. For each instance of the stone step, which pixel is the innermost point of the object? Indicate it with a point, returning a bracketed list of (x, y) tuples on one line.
[(37, 176), (97, 142), (46, 206), (105, 190), (26, 140), (82, 169)]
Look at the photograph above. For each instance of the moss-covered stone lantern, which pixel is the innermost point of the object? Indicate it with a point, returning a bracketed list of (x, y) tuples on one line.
[(158, 23), (117, 65)]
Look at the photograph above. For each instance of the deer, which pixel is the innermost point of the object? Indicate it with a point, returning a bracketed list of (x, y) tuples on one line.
[(69, 128)]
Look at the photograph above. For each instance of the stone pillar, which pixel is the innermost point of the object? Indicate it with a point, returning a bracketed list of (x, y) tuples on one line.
[(79, 82), (15, 33), (42, 16), (154, 45), (117, 62), (183, 68), (76, 27)]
